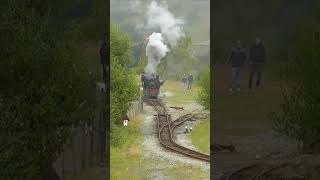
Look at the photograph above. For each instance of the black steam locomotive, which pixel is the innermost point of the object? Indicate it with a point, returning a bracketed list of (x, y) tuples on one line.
[(151, 86)]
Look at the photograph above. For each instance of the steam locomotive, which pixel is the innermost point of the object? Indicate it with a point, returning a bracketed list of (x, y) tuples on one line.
[(151, 86)]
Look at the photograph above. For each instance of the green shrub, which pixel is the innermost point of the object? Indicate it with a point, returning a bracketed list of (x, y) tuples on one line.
[(124, 87), (204, 92), (300, 112)]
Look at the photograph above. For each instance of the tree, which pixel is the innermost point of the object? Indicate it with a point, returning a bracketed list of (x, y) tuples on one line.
[(45, 89), (123, 86), (120, 47)]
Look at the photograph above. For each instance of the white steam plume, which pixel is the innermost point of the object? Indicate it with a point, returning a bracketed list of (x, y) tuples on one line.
[(160, 17), (155, 51)]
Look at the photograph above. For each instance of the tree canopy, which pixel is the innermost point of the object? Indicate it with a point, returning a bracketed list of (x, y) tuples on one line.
[(124, 85), (45, 88)]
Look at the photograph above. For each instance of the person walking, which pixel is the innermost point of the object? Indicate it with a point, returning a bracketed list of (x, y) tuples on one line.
[(184, 81), (190, 80), (237, 60), (257, 59)]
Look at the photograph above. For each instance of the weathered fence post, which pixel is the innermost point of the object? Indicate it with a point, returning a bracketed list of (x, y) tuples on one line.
[(62, 165)]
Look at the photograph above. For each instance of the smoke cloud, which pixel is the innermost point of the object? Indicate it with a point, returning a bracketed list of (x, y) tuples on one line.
[(161, 18), (155, 51), (135, 7)]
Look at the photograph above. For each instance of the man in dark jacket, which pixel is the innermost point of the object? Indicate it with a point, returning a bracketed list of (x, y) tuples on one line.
[(257, 60), (237, 59)]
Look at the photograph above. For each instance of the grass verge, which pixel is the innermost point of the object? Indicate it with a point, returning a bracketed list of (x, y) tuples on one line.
[(200, 136), (179, 95), (126, 160)]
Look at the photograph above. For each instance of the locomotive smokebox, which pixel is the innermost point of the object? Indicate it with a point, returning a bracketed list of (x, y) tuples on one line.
[(151, 86)]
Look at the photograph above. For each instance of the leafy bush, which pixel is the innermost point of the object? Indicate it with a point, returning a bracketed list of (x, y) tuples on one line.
[(300, 112), (120, 47), (123, 86), (204, 92)]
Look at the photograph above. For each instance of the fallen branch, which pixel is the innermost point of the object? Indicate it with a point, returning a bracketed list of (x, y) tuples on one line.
[(175, 107)]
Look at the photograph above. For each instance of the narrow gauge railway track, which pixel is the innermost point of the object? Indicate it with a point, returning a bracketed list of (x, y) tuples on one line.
[(165, 132)]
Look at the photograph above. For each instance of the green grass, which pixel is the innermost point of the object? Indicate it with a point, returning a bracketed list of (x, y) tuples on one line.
[(126, 161), (180, 97), (201, 136)]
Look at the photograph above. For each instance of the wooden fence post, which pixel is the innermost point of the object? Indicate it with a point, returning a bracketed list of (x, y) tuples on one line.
[(62, 165)]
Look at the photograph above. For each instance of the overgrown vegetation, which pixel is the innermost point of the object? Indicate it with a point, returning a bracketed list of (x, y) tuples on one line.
[(126, 160), (204, 92), (124, 87), (200, 136), (46, 88), (299, 115)]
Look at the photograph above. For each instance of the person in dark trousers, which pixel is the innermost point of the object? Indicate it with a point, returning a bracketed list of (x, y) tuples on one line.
[(237, 60), (184, 81), (257, 57), (190, 80)]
